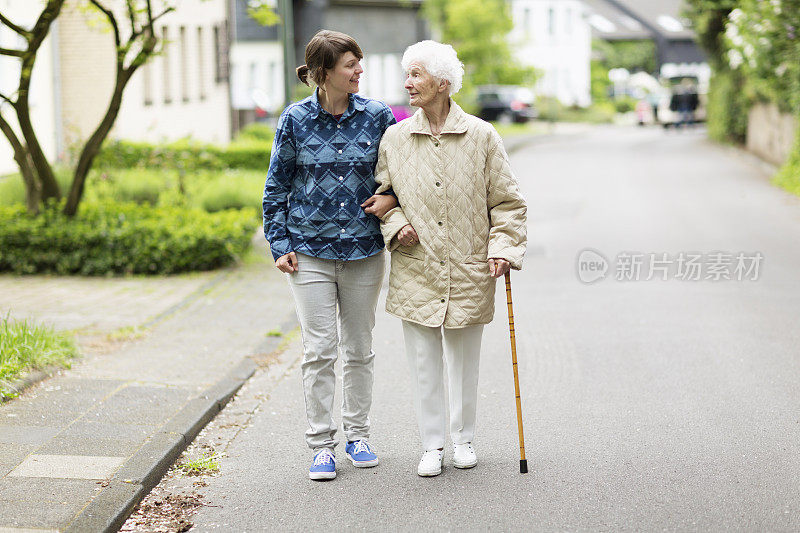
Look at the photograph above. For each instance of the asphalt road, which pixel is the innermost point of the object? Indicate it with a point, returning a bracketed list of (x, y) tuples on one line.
[(663, 404)]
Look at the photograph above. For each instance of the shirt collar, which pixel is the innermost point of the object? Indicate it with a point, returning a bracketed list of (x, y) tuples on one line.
[(355, 105), (456, 121)]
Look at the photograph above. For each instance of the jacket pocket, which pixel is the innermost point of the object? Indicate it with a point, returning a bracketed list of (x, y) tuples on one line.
[(412, 252)]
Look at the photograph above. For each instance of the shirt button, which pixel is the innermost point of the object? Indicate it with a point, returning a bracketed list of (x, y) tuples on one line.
[(440, 223), (442, 300), (340, 151), (342, 230), (338, 126), (369, 143), (438, 184), (441, 262), (341, 205), (341, 178)]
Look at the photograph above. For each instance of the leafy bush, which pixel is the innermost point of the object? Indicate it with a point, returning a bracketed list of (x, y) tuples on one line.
[(256, 131), (110, 237), (12, 189), (727, 107), (624, 104), (231, 191), (185, 155), (788, 176)]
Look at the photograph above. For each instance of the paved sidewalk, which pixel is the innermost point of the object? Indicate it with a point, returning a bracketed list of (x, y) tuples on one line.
[(78, 450)]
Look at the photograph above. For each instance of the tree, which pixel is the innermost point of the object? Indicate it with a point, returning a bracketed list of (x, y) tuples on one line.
[(478, 30), (135, 41)]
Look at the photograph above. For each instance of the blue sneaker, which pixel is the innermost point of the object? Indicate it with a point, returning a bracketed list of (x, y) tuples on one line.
[(324, 466), (360, 454)]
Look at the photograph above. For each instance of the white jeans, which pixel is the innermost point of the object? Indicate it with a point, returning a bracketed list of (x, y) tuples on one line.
[(462, 349), (319, 287)]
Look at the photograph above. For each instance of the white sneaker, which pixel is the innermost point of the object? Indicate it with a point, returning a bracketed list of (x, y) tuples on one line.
[(431, 463), (464, 456)]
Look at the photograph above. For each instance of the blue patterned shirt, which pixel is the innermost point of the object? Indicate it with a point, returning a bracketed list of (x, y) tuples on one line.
[(320, 172)]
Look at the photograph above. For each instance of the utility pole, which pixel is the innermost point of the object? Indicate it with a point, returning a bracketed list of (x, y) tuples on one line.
[(286, 12)]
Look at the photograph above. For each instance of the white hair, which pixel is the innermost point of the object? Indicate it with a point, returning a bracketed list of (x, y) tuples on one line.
[(440, 60)]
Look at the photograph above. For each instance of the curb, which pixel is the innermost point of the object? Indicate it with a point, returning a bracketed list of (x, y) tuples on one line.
[(109, 510)]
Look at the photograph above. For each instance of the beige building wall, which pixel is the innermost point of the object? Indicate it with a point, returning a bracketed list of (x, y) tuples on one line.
[(182, 92), (42, 96)]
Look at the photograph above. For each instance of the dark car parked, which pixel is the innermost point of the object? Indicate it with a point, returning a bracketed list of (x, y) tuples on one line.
[(506, 103)]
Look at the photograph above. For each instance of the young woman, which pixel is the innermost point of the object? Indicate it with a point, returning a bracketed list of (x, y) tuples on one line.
[(320, 221)]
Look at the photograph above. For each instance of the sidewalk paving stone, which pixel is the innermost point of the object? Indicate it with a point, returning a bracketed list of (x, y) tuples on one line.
[(124, 412)]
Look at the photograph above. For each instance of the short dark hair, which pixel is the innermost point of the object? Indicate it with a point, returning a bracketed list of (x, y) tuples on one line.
[(322, 53)]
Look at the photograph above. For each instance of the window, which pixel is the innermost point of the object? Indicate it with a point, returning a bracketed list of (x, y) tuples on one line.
[(184, 64), (165, 70), (551, 21), (147, 83), (221, 52), (526, 22), (201, 63)]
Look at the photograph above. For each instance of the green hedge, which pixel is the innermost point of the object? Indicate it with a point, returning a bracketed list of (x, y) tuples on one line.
[(247, 152), (727, 107), (122, 238)]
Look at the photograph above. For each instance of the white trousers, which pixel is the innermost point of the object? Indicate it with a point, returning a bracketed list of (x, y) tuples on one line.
[(461, 348), (320, 288)]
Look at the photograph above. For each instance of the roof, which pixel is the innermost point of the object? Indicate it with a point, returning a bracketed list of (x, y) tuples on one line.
[(638, 19)]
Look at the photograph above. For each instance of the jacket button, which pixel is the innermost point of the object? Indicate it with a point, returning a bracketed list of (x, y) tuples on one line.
[(442, 300), (438, 184), (440, 223), (436, 143), (441, 262)]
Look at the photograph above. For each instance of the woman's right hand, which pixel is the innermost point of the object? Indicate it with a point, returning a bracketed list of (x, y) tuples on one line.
[(407, 235), (287, 263)]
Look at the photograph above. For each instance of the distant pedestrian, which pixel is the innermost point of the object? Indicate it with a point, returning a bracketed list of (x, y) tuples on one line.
[(320, 220), (461, 224), (684, 102)]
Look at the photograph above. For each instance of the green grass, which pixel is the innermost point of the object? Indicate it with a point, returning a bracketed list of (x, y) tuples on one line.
[(25, 345), (205, 464)]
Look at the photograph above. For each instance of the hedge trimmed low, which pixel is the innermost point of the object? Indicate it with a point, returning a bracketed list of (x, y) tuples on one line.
[(122, 238), (245, 153)]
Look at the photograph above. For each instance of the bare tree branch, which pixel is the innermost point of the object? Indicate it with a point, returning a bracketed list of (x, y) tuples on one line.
[(7, 99), (111, 19), (151, 23), (19, 29), (132, 16), (168, 10), (12, 52)]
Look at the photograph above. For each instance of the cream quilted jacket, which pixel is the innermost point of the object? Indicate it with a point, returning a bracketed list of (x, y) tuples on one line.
[(459, 194)]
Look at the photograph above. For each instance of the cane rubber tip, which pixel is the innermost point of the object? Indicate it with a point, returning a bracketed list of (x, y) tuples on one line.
[(523, 466)]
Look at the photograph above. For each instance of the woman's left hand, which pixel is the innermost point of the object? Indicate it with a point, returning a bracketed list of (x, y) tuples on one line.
[(379, 204), (498, 267)]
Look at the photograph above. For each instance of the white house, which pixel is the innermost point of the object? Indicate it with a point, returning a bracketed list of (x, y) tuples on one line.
[(555, 37)]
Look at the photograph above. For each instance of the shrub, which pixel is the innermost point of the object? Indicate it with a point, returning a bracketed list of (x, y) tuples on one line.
[(624, 104), (121, 238), (256, 131), (248, 152), (231, 191), (727, 107)]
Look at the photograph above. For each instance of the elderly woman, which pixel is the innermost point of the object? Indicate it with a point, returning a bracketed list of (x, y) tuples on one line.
[(460, 223)]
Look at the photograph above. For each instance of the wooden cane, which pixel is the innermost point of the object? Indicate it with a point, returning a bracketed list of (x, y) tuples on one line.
[(523, 463)]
